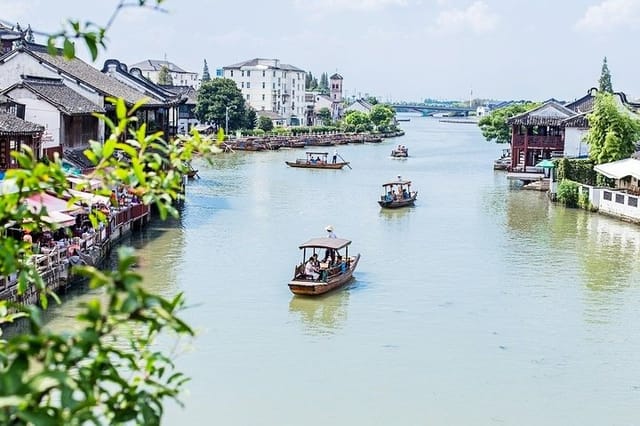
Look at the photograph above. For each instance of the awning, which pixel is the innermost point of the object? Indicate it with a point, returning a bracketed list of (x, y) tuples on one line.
[(88, 197), (79, 182), (620, 169), (60, 219), (546, 164), (53, 204)]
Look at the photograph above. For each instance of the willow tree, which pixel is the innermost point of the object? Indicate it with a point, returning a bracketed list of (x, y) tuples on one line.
[(613, 130)]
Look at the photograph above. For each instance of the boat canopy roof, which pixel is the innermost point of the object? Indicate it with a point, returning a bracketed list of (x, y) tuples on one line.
[(398, 182), (332, 243), (317, 153)]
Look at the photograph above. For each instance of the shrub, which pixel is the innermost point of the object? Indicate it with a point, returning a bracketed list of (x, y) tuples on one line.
[(568, 193)]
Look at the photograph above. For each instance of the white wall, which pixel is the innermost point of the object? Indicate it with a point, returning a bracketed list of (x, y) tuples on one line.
[(617, 206), (257, 84), (574, 145), (40, 112)]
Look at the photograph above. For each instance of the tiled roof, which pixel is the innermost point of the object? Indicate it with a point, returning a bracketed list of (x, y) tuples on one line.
[(185, 91), (135, 79), (12, 125), (89, 75), (336, 76), (578, 120), (548, 114), (65, 99), (583, 104), (156, 65), (77, 158), (270, 63), (270, 114)]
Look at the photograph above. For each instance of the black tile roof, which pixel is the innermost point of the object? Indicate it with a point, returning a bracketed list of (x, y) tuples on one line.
[(548, 114), (89, 75), (12, 125), (65, 99)]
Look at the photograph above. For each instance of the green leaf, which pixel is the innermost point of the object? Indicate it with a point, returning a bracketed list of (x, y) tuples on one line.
[(69, 50)]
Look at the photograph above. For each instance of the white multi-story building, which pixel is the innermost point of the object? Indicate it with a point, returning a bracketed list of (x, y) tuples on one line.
[(269, 85), (150, 69)]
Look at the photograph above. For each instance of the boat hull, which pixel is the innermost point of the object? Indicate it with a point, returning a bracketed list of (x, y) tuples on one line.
[(303, 287), (304, 165), (396, 204)]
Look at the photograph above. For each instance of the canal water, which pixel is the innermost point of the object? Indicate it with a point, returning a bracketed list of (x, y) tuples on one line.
[(484, 304)]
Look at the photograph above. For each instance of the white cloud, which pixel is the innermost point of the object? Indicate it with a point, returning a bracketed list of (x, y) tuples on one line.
[(476, 18), (329, 6), (611, 14)]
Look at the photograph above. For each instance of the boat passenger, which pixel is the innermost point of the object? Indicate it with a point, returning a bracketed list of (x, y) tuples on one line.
[(311, 270), (405, 194)]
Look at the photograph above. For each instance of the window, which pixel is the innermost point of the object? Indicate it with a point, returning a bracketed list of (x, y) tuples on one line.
[(242, 84), (274, 73), (274, 85), (633, 201), (247, 96), (607, 195), (231, 73), (264, 73), (619, 198), (248, 73), (248, 85), (242, 75), (263, 84), (263, 97)]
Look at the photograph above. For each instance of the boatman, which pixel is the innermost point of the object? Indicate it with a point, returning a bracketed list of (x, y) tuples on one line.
[(335, 156), (330, 234), (330, 253)]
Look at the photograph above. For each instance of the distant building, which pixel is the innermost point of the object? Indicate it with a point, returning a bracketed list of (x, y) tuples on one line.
[(360, 105), (335, 91), (270, 85), (150, 68)]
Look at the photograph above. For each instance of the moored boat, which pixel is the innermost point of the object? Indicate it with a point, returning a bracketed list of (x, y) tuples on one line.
[(334, 272), (397, 194), (317, 160)]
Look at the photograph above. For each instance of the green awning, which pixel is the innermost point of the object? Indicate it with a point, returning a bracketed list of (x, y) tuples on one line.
[(546, 164)]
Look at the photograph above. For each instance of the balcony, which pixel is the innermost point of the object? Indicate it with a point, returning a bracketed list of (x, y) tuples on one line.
[(555, 142)]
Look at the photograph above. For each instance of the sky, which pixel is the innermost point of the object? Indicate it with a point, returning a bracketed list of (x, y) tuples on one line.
[(396, 50)]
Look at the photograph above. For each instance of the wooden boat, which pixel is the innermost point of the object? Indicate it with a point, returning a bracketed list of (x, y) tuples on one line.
[(400, 152), (332, 276), (504, 161), (317, 160), (397, 194)]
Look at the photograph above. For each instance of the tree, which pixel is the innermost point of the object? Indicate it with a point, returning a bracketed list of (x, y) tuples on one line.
[(324, 114), (381, 115), (613, 130), (605, 78), (250, 119), (324, 83), (372, 100), (357, 121), (214, 97), (494, 126), (265, 123), (205, 72), (164, 76), (109, 370)]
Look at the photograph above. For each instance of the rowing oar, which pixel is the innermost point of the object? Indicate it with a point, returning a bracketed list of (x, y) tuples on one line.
[(344, 161)]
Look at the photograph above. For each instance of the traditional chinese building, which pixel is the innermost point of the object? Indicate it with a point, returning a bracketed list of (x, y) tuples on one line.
[(537, 134), (14, 133)]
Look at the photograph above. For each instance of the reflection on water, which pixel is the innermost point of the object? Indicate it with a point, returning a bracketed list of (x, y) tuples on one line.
[(322, 315)]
